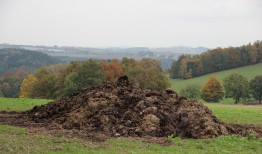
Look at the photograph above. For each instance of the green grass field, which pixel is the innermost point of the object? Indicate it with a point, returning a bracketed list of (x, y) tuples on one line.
[(249, 72), (20, 104), (18, 140), (237, 114)]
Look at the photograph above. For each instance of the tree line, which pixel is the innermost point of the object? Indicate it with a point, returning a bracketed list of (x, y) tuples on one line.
[(219, 59), (234, 86), (15, 65), (62, 80)]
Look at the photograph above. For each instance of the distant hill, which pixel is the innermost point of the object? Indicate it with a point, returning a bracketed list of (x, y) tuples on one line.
[(166, 55), (13, 59), (181, 49), (107, 50), (248, 71)]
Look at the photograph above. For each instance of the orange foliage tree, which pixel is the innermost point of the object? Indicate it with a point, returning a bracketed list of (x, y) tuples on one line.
[(212, 90), (113, 70)]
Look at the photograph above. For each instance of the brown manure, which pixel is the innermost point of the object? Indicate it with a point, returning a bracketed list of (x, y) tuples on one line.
[(124, 109)]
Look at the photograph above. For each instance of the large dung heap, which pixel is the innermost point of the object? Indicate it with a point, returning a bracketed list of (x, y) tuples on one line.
[(124, 109)]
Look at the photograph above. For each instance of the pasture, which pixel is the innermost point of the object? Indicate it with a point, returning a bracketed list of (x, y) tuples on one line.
[(248, 71), (20, 140)]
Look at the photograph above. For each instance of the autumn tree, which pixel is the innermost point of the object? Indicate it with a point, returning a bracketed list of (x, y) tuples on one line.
[(191, 91), (41, 84), (256, 87), (212, 90), (26, 88), (112, 69), (252, 53), (236, 87), (233, 55)]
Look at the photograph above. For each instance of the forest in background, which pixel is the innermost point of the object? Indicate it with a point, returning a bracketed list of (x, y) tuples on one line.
[(219, 59), (59, 80), (13, 59), (15, 64)]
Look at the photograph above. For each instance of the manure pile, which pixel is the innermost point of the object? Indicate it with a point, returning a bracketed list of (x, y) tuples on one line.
[(124, 109)]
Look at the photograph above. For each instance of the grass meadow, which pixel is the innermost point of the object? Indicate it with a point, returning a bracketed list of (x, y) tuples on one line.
[(18, 140), (20, 104), (248, 71)]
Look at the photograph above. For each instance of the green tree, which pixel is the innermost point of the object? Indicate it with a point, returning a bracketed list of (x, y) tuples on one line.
[(256, 87), (146, 72), (45, 87), (90, 73), (39, 85), (258, 45), (10, 87), (41, 72), (70, 86), (212, 90), (236, 87), (154, 77), (191, 91), (1, 93), (61, 76)]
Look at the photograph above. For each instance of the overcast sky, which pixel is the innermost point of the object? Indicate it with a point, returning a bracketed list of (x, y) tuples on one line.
[(151, 23)]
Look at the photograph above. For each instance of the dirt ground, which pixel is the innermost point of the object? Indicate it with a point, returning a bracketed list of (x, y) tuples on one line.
[(123, 109)]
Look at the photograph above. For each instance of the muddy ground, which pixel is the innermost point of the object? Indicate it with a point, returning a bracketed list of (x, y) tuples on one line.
[(123, 109)]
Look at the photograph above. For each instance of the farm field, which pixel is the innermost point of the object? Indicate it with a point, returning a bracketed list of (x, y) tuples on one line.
[(20, 104), (253, 70), (237, 114), (19, 140)]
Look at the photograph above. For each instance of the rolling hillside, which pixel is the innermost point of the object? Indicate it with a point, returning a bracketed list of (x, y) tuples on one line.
[(13, 59), (248, 71)]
